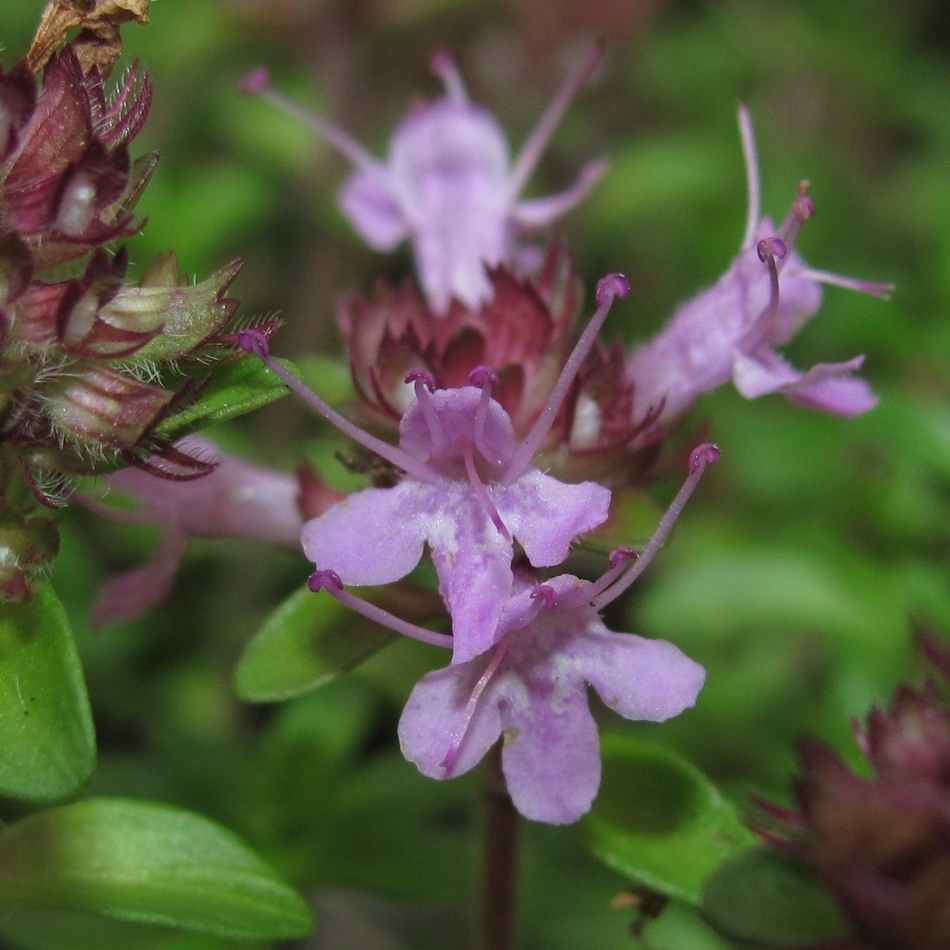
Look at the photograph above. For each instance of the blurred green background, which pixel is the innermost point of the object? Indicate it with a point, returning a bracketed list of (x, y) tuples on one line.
[(798, 573)]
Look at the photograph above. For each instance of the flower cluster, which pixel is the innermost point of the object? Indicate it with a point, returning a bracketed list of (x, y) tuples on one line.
[(82, 352), (505, 432)]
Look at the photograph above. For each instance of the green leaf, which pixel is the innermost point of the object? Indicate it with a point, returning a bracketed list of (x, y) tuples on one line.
[(769, 899), (67, 930), (307, 642), (147, 863), (233, 390), (659, 821), (47, 740)]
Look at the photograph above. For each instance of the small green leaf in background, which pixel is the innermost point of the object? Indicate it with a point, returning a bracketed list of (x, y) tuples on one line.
[(659, 821), (148, 863), (307, 642), (47, 740), (233, 390), (768, 899), (632, 521)]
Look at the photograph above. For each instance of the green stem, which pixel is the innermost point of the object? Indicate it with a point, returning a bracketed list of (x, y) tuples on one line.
[(500, 828)]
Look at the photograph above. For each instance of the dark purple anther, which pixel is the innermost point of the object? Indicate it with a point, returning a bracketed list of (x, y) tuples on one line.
[(546, 594), (613, 285), (621, 554), (483, 376), (256, 81), (254, 342), (421, 376), (320, 579), (441, 64), (703, 455), (803, 207), (771, 247)]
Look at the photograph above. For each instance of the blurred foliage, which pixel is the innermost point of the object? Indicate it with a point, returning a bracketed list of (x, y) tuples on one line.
[(799, 570)]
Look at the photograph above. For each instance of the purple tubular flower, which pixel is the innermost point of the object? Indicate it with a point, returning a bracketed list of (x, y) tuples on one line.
[(732, 330), (235, 500), (448, 184), (531, 687), (468, 491)]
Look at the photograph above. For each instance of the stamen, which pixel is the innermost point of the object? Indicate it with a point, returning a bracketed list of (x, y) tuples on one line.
[(331, 583), (482, 492), (448, 763), (424, 384), (258, 83), (325, 580), (768, 250), (619, 560), (254, 342), (874, 288), (547, 594), (801, 210), (752, 176), (537, 141), (703, 455), (443, 67), (608, 288), (485, 377)]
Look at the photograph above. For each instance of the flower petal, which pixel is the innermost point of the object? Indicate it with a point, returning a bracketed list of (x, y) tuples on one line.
[(473, 562), (551, 757), (546, 515), (827, 386), (762, 372), (449, 166), (130, 595), (540, 212), (373, 537), (636, 677), (373, 211), (437, 714)]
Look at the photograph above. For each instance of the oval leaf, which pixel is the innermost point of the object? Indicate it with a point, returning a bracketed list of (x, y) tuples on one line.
[(147, 863), (47, 740), (307, 642), (769, 899), (659, 821)]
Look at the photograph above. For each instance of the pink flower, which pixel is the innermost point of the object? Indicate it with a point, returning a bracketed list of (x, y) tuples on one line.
[(469, 491), (732, 330), (234, 500), (531, 685), (532, 688), (449, 185), (469, 519)]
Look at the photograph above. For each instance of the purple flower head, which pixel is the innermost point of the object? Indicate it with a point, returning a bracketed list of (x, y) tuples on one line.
[(233, 500), (732, 330), (469, 491), (531, 686), (449, 186)]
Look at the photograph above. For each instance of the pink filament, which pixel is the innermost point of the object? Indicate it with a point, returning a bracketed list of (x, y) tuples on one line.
[(448, 763)]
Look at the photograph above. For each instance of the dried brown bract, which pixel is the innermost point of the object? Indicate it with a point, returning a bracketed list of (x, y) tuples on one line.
[(98, 44)]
